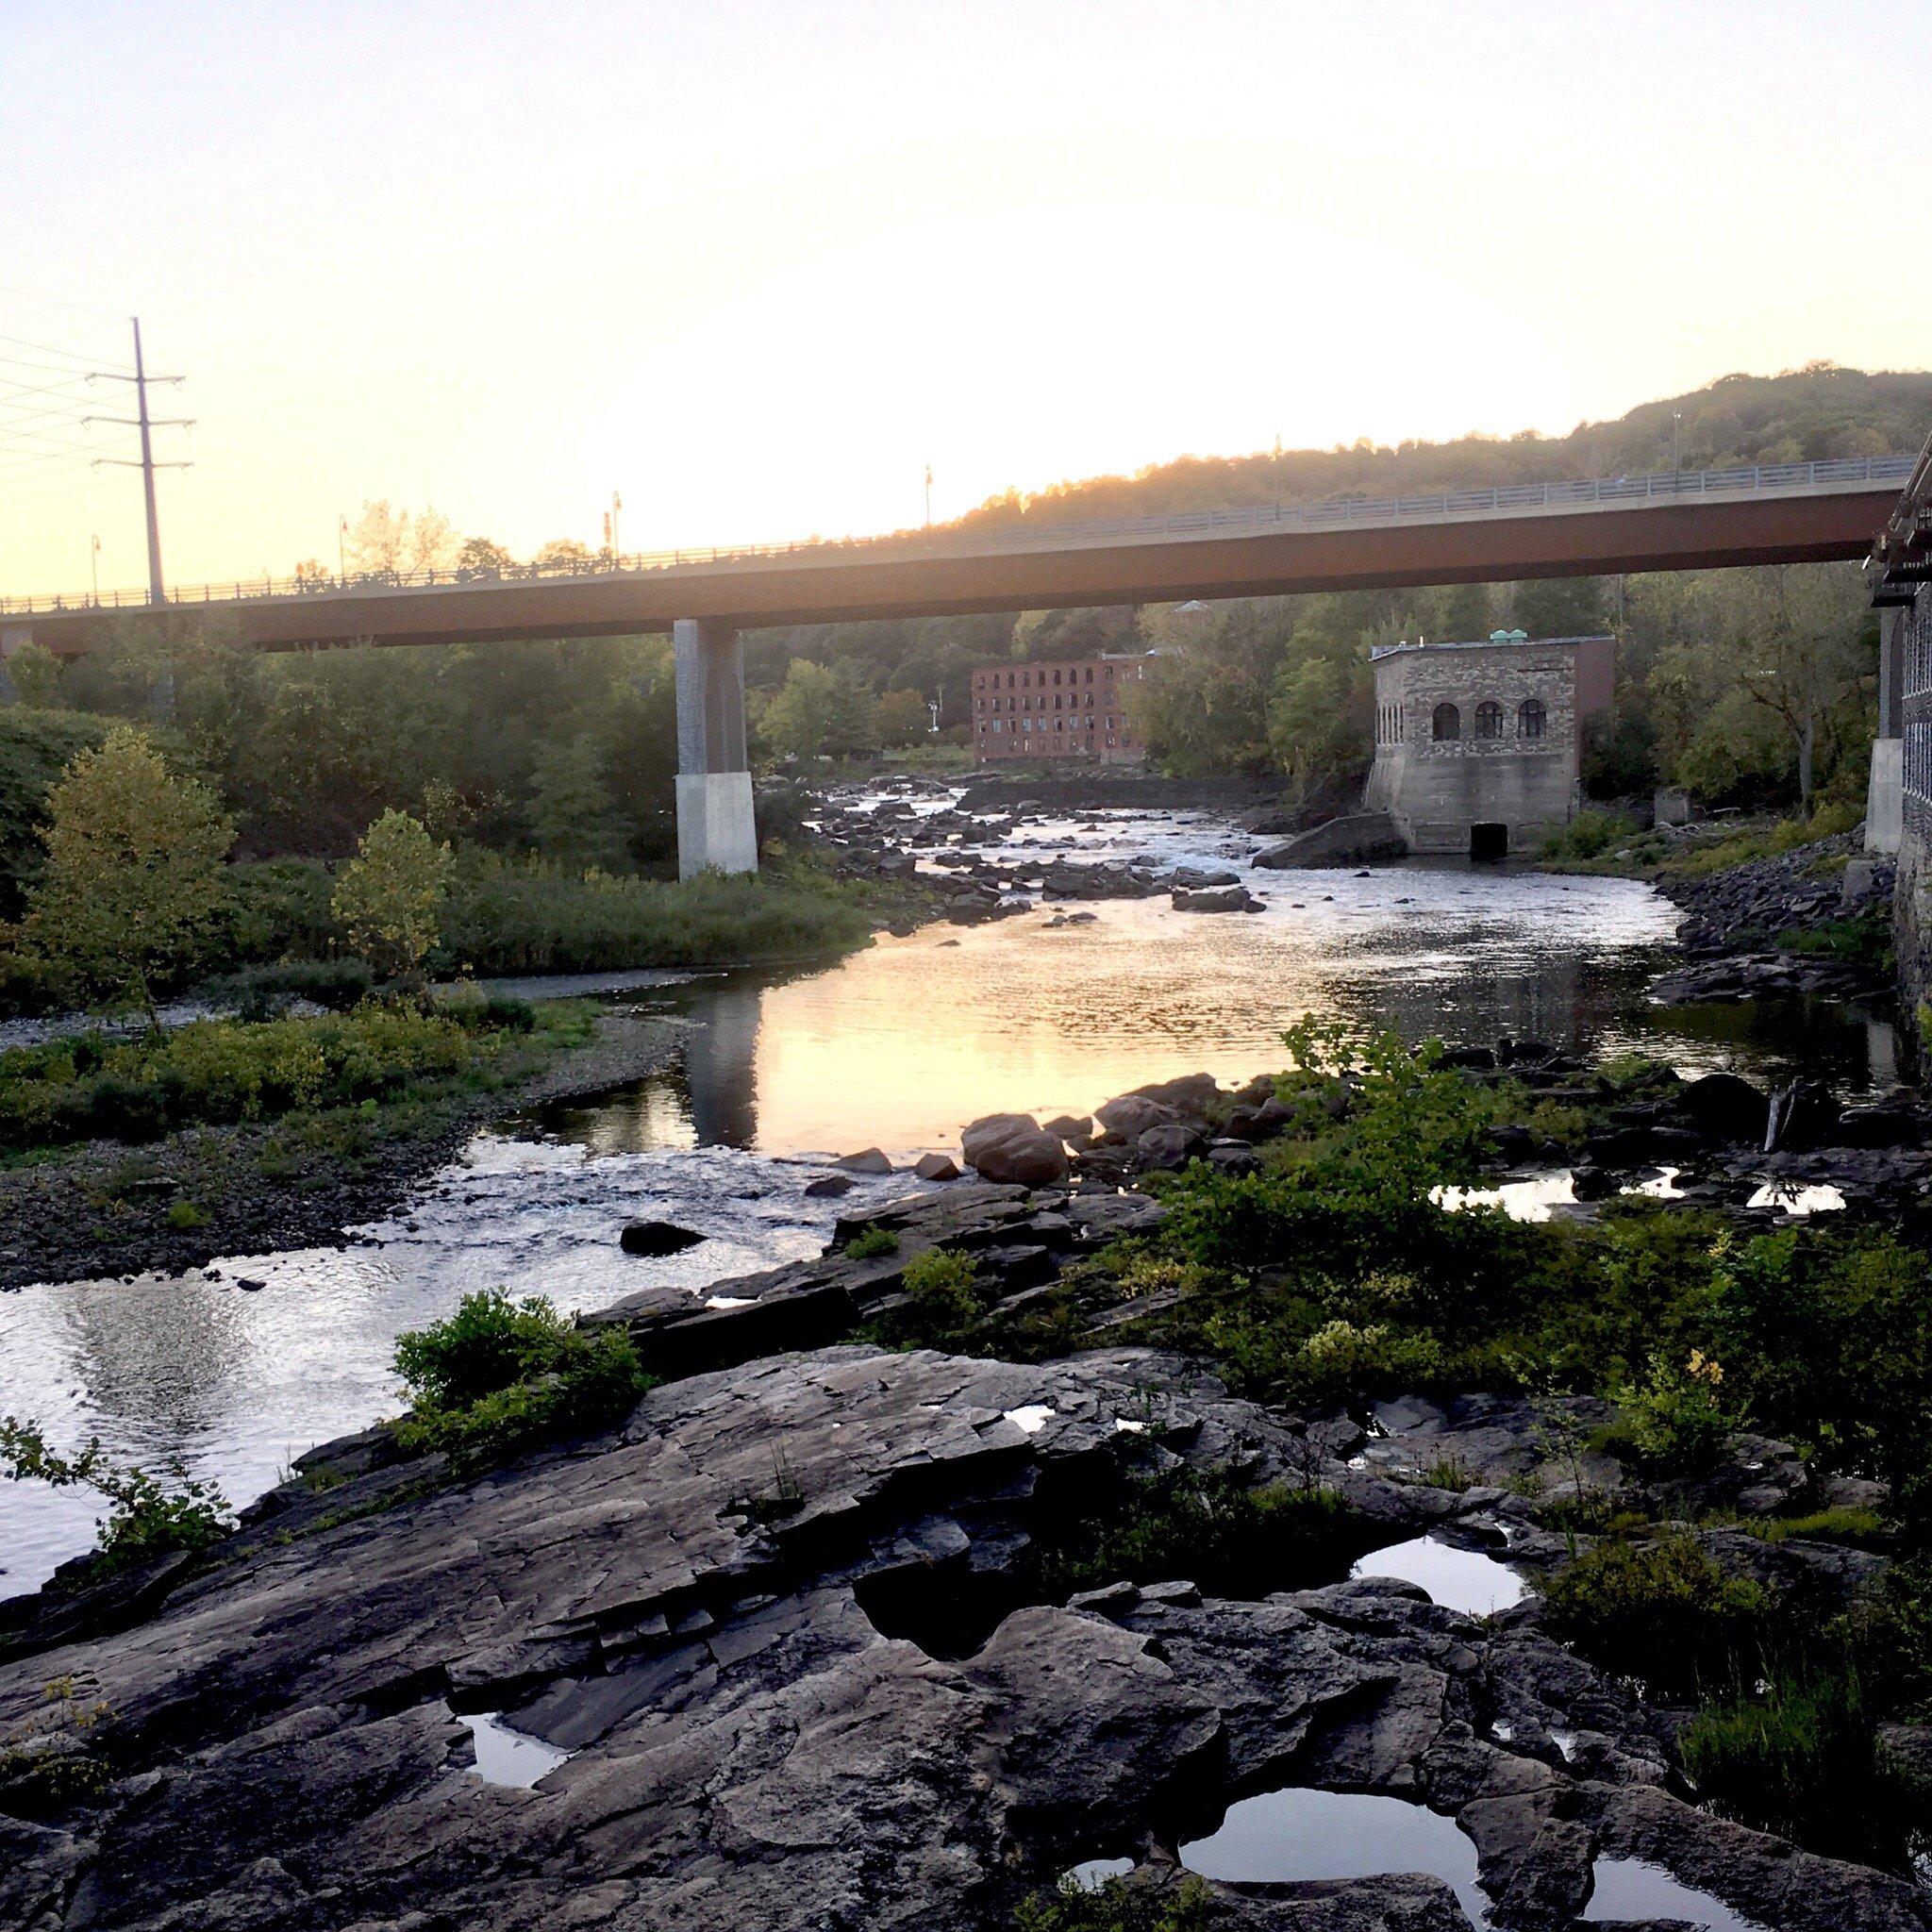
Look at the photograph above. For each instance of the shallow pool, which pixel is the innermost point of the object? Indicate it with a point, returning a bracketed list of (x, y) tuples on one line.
[(1458, 1579)]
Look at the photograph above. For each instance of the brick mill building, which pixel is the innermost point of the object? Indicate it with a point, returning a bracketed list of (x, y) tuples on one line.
[(1478, 745), (1072, 708)]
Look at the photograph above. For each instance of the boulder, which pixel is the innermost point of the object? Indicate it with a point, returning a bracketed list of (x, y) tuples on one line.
[(1186, 1093), (829, 1187), (1803, 1115), (1013, 1147), (1726, 1107), (1066, 1126), (936, 1167), (1361, 838), (1213, 899), (1132, 1114), (1189, 879), (1173, 1144), (657, 1238), (869, 1160)]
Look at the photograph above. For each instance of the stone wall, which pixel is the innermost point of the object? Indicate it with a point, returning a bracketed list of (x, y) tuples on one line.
[(1437, 789)]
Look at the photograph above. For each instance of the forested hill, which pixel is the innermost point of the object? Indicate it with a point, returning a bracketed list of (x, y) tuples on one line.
[(1811, 414)]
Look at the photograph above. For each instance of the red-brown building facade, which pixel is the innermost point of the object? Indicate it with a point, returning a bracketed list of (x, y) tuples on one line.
[(1072, 708)]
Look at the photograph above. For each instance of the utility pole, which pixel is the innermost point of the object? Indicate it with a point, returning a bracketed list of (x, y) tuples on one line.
[(94, 557), (342, 549), (147, 466), (616, 536), (928, 496)]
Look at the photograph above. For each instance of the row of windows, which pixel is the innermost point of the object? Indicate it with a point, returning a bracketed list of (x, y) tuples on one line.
[(1445, 721), (1040, 723), (1072, 742), (1072, 703), (1023, 680)]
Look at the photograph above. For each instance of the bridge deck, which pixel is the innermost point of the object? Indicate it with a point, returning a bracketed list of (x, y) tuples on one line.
[(1789, 513)]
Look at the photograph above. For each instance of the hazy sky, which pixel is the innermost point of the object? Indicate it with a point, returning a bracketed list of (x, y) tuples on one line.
[(756, 264)]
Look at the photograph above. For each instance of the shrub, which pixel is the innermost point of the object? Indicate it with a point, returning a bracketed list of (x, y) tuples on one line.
[(1675, 1422), (148, 1518), (944, 1285), (498, 1375), (1213, 1526), (871, 1241), (1117, 1905), (1662, 1612), (1588, 835)]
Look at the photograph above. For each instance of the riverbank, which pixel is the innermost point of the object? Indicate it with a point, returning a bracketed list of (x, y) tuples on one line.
[(301, 1181)]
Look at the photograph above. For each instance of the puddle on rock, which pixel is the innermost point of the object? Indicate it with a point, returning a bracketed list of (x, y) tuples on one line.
[(1298, 1835), (1632, 1888), (1030, 1419), (1458, 1579), (1792, 1197), (505, 1756), (1091, 1874)]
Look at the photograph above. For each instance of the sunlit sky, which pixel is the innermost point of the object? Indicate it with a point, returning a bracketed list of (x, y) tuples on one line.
[(754, 265)]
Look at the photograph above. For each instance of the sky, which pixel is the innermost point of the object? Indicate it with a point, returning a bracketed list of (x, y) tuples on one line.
[(755, 264)]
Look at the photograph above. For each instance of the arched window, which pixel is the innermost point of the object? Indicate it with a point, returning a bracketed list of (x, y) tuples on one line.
[(1489, 719), (1448, 723), (1530, 718)]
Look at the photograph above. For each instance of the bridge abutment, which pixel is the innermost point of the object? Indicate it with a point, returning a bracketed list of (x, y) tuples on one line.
[(1885, 791), (716, 830)]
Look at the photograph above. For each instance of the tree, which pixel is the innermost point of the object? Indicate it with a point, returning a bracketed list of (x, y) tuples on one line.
[(1801, 633), (390, 897), (1309, 722), (562, 553), (133, 874), (479, 553), (573, 813), (803, 720), (36, 675), (385, 539), (901, 718)]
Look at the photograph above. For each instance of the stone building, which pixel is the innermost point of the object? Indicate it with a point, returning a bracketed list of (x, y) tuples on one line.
[(1478, 745), (1065, 710)]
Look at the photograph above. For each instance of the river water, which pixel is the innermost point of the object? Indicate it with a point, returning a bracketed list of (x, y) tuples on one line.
[(898, 1046)]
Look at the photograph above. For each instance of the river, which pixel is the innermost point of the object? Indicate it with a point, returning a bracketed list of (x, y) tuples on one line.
[(897, 1047)]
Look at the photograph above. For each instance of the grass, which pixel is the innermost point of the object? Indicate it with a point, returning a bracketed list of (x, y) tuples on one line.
[(1118, 1906)]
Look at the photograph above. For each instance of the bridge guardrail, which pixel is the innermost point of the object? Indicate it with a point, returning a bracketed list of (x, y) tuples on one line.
[(992, 540)]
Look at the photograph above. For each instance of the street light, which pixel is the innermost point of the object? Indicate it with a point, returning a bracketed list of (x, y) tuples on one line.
[(1678, 442), (928, 496), (94, 557), (341, 549)]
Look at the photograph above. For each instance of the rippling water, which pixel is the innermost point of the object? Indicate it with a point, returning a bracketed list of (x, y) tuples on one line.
[(899, 1046)]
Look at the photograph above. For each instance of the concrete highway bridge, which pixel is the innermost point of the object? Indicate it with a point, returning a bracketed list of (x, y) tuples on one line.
[(1692, 520)]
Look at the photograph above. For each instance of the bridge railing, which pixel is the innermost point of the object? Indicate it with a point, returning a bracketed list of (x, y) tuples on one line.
[(994, 538)]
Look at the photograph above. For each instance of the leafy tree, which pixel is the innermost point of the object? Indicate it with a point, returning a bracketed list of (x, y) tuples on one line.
[(573, 814), (385, 539), (133, 874), (901, 718), (562, 553), (479, 553), (36, 675), (803, 721), (390, 897), (1309, 723), (1802, 640)]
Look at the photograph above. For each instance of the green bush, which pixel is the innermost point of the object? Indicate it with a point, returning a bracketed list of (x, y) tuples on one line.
[(1675, 1421), (869, 1242), (945, 1287), (1117, 1905), (1590, 835), (1662, 1612), (498, 1375), (1214, 1526)]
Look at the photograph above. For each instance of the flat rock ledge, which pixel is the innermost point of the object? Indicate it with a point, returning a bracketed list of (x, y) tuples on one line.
[(779, 1621)]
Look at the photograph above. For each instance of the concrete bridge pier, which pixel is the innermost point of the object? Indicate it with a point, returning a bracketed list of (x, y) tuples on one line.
[(1885, 791), (13, 638), (715, 828)]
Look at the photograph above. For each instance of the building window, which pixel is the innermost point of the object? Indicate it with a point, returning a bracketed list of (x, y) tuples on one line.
[(1448, 723), (1489, 719), (1530, 718)]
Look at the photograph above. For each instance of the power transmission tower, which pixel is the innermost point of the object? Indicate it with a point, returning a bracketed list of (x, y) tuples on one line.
[(147, 466)]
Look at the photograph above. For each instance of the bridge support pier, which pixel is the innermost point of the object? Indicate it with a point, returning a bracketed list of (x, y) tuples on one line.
[(13, 638), (715, 828), (1885, 791)]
